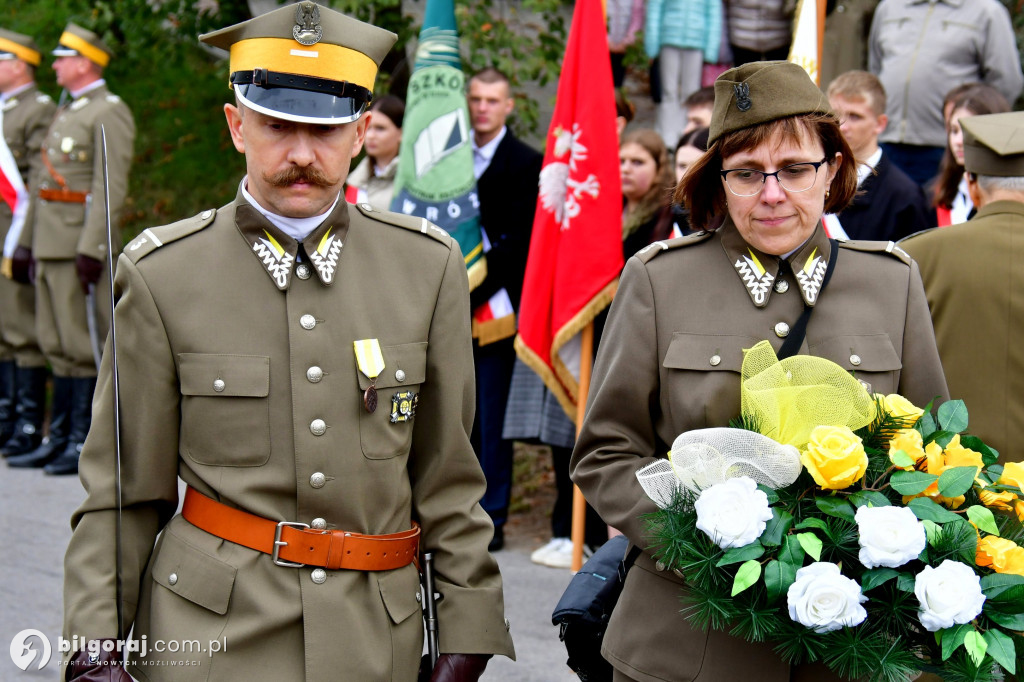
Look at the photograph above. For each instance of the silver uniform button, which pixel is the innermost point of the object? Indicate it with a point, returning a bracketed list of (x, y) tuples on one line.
[(314, 374), (206, 214), (218, 385), (715, 360), (367, 207), (302, 271), (855, 359), (307, 321), (318, 523), (173, 578), (318, 427), (399, 375), (317, 480), (319, 576), (781, 286), (782, 330)]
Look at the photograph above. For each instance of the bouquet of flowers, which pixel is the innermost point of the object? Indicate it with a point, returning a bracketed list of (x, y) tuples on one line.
[(856, 530)]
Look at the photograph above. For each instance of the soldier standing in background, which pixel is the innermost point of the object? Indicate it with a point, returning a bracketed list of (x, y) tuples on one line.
[(26, 114), (68, 240)]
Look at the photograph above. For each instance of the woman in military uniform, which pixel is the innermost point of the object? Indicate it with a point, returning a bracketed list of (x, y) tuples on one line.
[(670, 357)]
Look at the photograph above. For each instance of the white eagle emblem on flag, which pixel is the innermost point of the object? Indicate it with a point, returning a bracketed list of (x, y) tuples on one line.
[(560, 194)]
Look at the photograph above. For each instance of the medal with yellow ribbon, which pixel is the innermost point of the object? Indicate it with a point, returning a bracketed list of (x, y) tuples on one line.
[(371, 363)]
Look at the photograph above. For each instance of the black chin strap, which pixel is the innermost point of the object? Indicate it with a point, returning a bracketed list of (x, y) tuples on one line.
[(796, 335)]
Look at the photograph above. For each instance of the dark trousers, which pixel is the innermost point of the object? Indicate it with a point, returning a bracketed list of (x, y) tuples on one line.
[(741, 55), (493, 363), (921, 163), (596, 532)]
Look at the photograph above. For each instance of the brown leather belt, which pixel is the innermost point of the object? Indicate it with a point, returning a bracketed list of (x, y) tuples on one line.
[(296, 544), (65, 195)]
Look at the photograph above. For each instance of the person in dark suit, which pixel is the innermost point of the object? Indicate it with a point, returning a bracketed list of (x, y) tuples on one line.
[(507, 172), (888, 205)]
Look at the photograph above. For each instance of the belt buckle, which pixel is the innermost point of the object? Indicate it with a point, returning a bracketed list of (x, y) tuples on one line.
[(279, 543)]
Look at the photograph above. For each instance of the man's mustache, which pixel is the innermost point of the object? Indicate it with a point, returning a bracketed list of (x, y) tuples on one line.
[(290, 176)]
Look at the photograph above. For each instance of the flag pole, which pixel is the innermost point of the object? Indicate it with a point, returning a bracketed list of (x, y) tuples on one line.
[(579, 504), (821, 37)]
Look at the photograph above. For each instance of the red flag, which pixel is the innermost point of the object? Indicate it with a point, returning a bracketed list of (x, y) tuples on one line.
[(576, 248)]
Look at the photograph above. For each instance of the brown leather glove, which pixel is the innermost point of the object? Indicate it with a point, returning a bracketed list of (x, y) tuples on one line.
[(23, 266), (103, 666), (459, 667), (88, 269)]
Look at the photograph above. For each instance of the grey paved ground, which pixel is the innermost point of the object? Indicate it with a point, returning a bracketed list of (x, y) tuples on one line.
[(34, 530)]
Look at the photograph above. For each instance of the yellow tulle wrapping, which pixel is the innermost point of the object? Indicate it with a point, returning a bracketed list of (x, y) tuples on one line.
[(787, 398)]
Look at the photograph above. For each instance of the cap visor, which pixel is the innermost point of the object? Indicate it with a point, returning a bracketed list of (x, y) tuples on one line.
[(301, 106), (64, 52)]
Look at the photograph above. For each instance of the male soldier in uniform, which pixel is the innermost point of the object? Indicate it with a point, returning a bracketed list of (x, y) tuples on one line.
[(26, 113), (68, 240), (973, 279), (305, 366)]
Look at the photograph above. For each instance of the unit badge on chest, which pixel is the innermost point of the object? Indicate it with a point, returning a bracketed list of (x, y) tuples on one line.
[(403, 406)]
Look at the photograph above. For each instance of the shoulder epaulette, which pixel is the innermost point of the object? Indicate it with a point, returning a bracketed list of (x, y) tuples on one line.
[(653, 249), (152, 238), (42, 98), (409, 222), (916, 234), (877, 247)]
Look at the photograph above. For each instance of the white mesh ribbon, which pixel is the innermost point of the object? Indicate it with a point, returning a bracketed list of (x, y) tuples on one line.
[(704, 457)]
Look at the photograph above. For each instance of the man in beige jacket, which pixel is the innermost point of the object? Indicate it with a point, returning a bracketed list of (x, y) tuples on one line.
[(305, 367)]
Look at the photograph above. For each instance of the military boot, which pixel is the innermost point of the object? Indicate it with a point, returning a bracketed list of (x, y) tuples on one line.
[(30, 407), (7, 397), (81, 419), (60, 424)]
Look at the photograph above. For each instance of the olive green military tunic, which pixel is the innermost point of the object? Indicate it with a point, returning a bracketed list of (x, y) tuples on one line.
[(27, 116), (975, 287), (61, 230), (669, 361), (238, 374)]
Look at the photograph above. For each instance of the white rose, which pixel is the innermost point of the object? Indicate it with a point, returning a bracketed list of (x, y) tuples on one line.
[(950, 594), (824, 600), (889, 536), (733, 513)]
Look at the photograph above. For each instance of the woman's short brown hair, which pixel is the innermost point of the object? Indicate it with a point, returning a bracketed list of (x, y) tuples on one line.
[(702, 191)]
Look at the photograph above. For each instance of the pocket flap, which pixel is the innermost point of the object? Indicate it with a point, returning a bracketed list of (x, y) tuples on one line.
[(707, 352), (410, 358), (399, 589), (224, 375), (868, 353), (194, 575)]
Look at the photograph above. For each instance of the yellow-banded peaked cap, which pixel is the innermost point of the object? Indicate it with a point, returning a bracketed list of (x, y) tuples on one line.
[(19, 46), (77, 41), (304, 62)]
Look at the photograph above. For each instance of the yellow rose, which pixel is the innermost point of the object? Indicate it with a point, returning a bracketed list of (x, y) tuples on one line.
[(935, 464), (1013, 474), (959, 456), (835, 457), (1004, 501), (1002, 555), (1018, 509), (910, 442), (898, 406)]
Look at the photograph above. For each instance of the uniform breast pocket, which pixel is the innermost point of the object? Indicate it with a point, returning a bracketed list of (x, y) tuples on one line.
[(225, 408), (703, 378), (387, 431), (871, 358)]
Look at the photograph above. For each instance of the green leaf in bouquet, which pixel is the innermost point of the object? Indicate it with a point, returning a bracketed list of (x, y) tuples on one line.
[(772, 496), (869, 498), (778, 576), (940, 437), (746, 576), (988, 455), (995, 584), (876, 577), (911, 482), (952, 416), (901, 459), (956, 481), (952, 638), (1009, 621), (737, 554), (811, 544), (811, 522), (1001, 649), (983, 518), (835, 506), (926, 424), (957, 541), (927, 510), (792, 552), (976, 646), (775, 530), (932, 531), (905, 583)]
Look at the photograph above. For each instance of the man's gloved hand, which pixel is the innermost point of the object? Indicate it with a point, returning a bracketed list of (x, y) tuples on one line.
[(88, 269), (103, 666), (459, 667), (23, 266)]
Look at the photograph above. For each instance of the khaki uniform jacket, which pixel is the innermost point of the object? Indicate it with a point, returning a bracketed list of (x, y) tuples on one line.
[(27, 115), (669, 362), (74, 147), (975, 290), (219, 296)]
